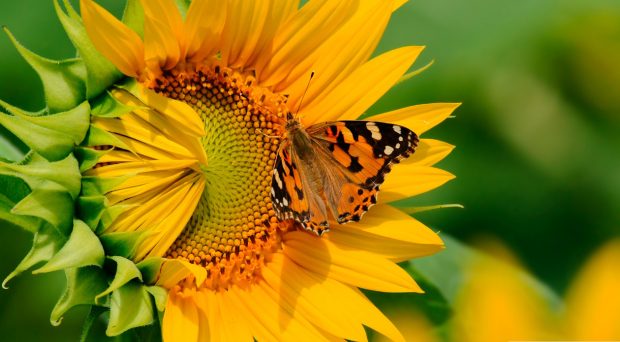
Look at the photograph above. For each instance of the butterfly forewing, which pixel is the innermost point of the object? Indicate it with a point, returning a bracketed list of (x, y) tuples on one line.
[(366, 149), (333, 170)]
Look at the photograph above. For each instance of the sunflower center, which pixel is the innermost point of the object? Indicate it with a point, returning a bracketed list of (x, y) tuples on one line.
[(233, 226)]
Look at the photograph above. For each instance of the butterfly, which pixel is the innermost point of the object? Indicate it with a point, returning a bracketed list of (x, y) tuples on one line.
[(333, 170)]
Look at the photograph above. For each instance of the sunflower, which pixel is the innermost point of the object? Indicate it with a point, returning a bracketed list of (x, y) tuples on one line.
[(176, 163)]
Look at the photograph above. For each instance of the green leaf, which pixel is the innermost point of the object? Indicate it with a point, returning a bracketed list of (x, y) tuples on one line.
[(100, 73), (183, 6), (126, 271), (52, 136), (47, 242), (133, 17), (63, 81), (82, 249), (130, 307), (450, 269), (83, 284), (50, 202), (124, 244), (108, 107), (432, 302)]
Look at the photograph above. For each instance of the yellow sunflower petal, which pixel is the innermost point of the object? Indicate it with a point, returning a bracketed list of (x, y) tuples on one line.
[(180, 321), (250, 25), (260, 332), (429, 152), (334, 61), (118, 43), (312, 299), (354, 305), (164, 42), (300, 36), (174, 221), (355, 267), (169, 118), (362, 88), (203, 27), (389, 232), (232, 326), (409, 179), (419, 118), (174, 271), (269, 313), (179, 112)]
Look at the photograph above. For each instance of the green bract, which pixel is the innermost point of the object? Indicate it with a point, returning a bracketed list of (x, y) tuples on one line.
[(45, 193)]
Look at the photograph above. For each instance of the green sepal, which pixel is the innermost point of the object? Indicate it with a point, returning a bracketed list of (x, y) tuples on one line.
[(100, 73), (47, 242), (124, 244), (150, 269), (133, 17), (64, 172), (50, 202), (82, 249), (83, 284), (28, 223), (88, 157), (14, 189), (160, 295), (110, 214), (107, 106), (90, 209), (11, 148), (94, 186), (52, 136), (63, 81), (126, 271), (98, 137), (93, 315), (130, 307)]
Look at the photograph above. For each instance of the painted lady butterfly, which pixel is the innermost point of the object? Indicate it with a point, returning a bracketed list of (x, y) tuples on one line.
[(333, 170)]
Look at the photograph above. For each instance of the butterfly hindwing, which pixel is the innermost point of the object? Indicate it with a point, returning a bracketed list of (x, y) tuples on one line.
[(287, 196), (292, 194)]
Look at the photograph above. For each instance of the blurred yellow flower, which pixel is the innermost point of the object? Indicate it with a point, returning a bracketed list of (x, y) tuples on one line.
[(499, 303)]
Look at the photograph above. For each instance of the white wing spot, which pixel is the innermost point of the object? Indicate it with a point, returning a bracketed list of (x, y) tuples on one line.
[(374, 130), (276, 176), (400, 138), (397, 145), (396, 129), (388, 150), (285, 201)]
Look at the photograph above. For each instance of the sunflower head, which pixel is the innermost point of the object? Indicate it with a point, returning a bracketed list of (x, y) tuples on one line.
[(166, 143)]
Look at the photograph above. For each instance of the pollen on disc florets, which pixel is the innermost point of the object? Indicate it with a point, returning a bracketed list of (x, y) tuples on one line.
[(233, 227)]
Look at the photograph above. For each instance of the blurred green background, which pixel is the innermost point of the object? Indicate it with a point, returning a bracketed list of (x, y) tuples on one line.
[(537, 156)]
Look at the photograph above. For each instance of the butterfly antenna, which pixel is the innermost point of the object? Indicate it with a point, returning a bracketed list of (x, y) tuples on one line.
[(305, 91)]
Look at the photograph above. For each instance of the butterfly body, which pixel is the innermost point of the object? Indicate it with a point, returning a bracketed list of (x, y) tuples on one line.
[(332, 171)]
